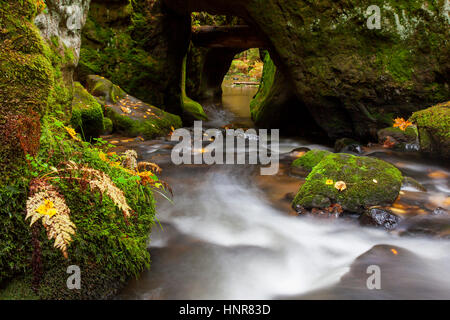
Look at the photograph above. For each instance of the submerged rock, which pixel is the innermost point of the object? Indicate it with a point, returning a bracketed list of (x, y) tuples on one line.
[(434, 130), (348, 145), (435, 225), (440, 212), (409, 182), (368, 182), (379, 217)]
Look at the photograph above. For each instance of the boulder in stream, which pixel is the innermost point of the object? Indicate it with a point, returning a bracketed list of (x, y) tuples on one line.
[(353, 182), (434, 130), (379, 217)]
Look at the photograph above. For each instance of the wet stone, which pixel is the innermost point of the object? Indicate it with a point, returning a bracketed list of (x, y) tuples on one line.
[(380, 218)]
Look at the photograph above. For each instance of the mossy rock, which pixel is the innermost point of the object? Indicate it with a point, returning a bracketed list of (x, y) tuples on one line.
[(104, 90), (191, 109), (150, 128), (129, 115), (87, 113), (369, 181), (433, 125), (310, 159), (108, 124), (407, 136)]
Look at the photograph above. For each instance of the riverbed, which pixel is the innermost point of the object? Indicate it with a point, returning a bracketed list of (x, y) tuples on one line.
[(231, 234)]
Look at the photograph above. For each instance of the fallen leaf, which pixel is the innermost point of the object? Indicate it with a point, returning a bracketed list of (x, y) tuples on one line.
[(340, 185)]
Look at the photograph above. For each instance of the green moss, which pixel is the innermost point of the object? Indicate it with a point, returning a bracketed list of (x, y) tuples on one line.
[(397, 62), (33, 79), (434, 129), (87, 114), (359, 174), (436, 119), (114, 45), (18, 289), (108, 125), (149, 128), (191, 108), (261, 101), (310, 159)]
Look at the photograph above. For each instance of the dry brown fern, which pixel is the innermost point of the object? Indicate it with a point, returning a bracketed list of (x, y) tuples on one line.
[(130, 161), (98, 180), (48, 205), (145, 166)]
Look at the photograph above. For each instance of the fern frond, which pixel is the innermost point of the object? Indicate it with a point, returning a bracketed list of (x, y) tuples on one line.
[(130, 161), (47, 205), (98, 180), (153, 167)]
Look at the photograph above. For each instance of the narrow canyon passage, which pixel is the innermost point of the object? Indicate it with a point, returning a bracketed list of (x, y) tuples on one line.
[(228, 234)]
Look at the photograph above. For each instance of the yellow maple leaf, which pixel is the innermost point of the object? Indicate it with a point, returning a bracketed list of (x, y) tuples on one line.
[(47, 209), (72, 133)]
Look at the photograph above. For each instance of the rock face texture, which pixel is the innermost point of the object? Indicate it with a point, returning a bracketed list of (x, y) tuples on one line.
[(350, 78), (64, 19), (139, 46)]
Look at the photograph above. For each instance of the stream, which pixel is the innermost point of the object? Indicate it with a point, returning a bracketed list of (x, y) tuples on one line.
[(231, 234)]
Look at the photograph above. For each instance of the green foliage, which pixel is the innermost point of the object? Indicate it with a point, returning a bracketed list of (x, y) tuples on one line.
[(106, 247), (369, 182)]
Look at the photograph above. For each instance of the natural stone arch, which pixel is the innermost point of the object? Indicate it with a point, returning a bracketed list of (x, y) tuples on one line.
[(351, 79)]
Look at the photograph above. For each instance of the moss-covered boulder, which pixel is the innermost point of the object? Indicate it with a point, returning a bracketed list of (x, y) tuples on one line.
[(310, 159), (433, 125), (87, 113), (104, 90), (368, 182), (129, 115)]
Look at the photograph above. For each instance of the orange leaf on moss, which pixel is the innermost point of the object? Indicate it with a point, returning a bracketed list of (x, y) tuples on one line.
[(402, 124)]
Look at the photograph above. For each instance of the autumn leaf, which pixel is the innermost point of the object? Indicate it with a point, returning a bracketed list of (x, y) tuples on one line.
[(402, 124), (340, 185), (388, 143)]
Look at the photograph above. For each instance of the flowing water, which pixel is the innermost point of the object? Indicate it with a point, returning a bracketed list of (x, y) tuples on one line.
[(230, 233)]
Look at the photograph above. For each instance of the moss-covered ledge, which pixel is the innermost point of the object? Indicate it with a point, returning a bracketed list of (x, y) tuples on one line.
[(129, 115)]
